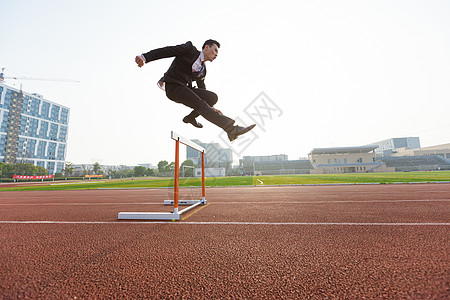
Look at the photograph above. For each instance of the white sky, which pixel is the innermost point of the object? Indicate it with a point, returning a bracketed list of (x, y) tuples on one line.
[(343, 73)]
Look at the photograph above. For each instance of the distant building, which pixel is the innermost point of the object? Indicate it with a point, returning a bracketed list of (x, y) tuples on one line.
[(87, 169), (273, 165), (391, 146), (210, 172), (364, 159), (215, 156), (32, 129), (147, 166), (346, 160), (276, 157), (421, 159), (441, 150), (416, 163)]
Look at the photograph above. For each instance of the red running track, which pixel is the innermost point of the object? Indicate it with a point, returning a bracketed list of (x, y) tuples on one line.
[(372, 241)]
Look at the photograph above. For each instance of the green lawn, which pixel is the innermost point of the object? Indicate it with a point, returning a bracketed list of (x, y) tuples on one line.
[(355, 178), (384, 178)]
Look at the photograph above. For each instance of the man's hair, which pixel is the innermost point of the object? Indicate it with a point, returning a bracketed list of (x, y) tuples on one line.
[(210, 43)]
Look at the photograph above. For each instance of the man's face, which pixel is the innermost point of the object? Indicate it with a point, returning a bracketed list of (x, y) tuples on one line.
[(210, 53)]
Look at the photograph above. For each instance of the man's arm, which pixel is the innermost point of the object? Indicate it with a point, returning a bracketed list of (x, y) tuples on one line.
[(164, 52), (201, 83)]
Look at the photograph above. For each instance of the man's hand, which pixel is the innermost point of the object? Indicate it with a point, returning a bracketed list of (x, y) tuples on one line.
[(140, 61)]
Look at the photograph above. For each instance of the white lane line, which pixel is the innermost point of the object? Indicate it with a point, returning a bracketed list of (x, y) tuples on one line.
[(332, 201), (82, 204), (217, 191), (234, 202), (226, 223)]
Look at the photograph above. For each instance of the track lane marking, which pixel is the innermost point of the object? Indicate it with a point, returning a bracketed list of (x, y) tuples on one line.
[(229, 223), (195, 211), (82, 204), (332, 201), (234, 202)]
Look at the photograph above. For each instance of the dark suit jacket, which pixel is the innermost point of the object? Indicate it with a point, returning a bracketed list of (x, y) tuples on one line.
[(180, 71)]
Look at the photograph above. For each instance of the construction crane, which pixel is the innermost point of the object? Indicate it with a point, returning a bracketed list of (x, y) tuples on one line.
[(3, 77)]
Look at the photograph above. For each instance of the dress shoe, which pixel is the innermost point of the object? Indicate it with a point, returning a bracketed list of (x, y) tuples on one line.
[(192, 121), (239, 130)]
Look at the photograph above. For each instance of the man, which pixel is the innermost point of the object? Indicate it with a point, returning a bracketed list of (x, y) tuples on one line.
[(189, 65)]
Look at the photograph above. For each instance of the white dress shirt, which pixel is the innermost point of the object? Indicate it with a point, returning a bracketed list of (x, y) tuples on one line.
[(199, 63)]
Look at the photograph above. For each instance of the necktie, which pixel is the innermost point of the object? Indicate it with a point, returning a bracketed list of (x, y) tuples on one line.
[(199, 73)]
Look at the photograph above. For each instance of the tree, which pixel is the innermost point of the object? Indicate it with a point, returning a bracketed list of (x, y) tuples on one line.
[(165, 169), (139, 171), (96, 168), (124, 171), (162, 166), (187, 168), (86, 170), (8, 170), (150, 172), (24, 169), (68, 169), (3, 168), (111, 172), (41, 171), (171, 168)]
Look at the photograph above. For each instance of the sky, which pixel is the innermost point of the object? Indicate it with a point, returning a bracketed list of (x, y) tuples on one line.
[(310, 74)]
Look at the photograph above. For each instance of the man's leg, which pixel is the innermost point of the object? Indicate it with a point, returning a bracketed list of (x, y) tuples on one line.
[(210, 98), (188, 97)]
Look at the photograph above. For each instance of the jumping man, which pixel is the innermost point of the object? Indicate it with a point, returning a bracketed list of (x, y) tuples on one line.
[(188, 66)]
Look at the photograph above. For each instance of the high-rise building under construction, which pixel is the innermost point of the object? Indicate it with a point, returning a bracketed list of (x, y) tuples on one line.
[(32, 129)]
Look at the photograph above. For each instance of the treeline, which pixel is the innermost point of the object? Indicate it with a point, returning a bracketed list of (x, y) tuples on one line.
[(28, 169), (107, 172), (165, 169)]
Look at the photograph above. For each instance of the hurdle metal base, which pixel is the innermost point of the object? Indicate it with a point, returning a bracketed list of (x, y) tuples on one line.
[(176, 215), (148, 216), (185, 202)]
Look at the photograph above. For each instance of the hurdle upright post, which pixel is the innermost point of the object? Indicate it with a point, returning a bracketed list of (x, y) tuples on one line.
[(176, 187), (203, 177)]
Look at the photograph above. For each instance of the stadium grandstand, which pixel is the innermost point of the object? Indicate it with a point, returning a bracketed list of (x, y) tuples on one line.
[(359, 159), (441, 150), (416, 163), (282, 167), (274, 165)]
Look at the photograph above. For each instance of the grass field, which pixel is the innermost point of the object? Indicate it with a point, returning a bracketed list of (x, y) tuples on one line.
[(360, 178), (354, 178)]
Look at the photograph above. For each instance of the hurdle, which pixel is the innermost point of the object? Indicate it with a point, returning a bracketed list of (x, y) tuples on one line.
[(176, 214)]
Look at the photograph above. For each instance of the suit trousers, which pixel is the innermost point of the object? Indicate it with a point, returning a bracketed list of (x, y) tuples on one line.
[(201, 101)]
